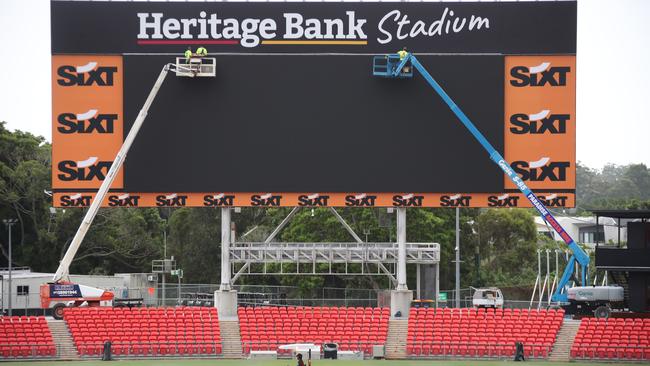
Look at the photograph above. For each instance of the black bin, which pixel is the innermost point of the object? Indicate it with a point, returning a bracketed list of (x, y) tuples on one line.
[(107, 354), (330, 350)]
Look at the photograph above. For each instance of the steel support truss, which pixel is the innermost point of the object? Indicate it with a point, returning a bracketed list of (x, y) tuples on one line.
[(303, 258)]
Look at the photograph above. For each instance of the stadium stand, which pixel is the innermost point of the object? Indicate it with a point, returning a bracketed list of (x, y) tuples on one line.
[(180, 331), (481, 333), (614, 338), (25, 337), (353, 329)]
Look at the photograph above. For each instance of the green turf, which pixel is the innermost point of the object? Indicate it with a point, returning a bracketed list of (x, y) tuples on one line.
[(289, 363)]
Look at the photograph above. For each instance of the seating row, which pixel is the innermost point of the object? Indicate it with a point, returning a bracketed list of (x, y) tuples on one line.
[(614, 338), (25, 337), (432, 332), (146, 331)]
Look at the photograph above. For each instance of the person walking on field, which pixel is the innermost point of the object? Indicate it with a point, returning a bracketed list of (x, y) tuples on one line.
[(300, 361)]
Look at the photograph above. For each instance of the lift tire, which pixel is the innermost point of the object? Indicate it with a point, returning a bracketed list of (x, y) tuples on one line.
[(57, 311), (602, 312)]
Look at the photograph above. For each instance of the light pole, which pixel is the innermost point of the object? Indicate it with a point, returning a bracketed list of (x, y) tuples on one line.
[(9, 223)]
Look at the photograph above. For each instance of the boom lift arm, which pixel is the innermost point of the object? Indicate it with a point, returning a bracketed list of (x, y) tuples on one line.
[(392, 66), (63, 272)]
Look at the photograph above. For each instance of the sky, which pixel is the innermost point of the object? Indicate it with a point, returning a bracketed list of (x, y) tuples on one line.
[(613, 76)]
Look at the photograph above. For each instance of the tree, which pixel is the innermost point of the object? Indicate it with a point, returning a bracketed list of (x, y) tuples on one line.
[(508, 247)]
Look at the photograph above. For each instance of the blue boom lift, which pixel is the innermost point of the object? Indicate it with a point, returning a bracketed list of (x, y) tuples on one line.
[(393, 66)]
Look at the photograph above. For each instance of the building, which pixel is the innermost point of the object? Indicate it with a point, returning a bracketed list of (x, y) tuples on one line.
[(584, 229)]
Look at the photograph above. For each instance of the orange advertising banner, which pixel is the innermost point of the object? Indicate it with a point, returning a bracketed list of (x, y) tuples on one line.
[(540, 120), (87, 126), (504, 200)]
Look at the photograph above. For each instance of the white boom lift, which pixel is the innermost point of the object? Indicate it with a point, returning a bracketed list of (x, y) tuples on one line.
[(61, 292)]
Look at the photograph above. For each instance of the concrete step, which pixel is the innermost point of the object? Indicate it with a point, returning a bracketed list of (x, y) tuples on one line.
[(62, 338), (396, 339), (230, 339), (562, 347)]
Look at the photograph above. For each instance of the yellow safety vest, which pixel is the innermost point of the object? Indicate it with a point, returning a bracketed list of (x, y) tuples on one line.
[(402, 54), (201, 51), (188, 54)]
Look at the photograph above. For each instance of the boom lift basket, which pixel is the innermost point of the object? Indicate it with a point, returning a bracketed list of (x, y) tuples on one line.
[(385, 66), (196, 67)]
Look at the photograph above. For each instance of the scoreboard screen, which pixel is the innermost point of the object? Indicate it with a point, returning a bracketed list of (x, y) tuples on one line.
[(294, 116)]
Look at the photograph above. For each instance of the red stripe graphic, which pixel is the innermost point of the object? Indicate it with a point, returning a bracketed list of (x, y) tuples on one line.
[(186, 41)]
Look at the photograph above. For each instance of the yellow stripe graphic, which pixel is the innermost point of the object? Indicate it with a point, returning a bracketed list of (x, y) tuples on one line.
[(351, 43)]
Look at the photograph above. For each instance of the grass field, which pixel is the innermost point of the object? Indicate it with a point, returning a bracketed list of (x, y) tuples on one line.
[(290, 363)]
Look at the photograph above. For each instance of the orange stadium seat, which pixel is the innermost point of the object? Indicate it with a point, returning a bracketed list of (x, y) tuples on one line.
[(614, 338), (353, 328), (481, 333), (181, 331), (25, 337)]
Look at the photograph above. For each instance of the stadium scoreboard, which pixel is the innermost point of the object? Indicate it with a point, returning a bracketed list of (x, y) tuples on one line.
[(294, 116)]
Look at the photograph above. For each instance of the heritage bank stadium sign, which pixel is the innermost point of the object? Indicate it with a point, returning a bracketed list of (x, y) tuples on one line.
[(495, 27), (347, 29)]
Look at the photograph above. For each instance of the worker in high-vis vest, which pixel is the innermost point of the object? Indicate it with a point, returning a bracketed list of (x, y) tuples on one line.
[(402, 55), (201, 52), (188, 54)]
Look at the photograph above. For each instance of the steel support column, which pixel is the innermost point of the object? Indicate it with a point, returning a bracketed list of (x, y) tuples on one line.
[(225, 249), (401, 249)]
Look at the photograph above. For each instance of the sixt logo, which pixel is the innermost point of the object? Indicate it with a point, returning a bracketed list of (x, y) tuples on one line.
[(76, 200), (504, 200), (456, 200), (313, 200), (407, 200), (86, 75), (266, 200), (540, 75), (123, 200), (539, 123), (171, 200), (553, 200), (88, 169), (218, 200), (87, 122), (360, 200), (541, 170)]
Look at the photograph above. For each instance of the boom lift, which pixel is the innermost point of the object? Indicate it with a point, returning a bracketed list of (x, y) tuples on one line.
[(391, 66), (61, 292)]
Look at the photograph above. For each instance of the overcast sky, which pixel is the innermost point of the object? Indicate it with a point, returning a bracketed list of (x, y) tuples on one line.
[(613, 76)]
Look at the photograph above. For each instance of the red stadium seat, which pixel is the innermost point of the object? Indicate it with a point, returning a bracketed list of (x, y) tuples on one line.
[(352, 328), (614, 338), (25, 337), (479, 333), (146, 331)]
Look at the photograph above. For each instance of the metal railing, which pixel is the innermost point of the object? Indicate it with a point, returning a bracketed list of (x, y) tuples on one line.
[(138, 349), (609, 352), (28, 350), (444, 350)]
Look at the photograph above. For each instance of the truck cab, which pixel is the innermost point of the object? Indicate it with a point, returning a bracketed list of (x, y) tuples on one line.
[(487, 298)]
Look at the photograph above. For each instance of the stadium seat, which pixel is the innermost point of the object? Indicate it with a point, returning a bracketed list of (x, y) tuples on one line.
[(481, 333), (159, 332), (613, 339), (25, 337), (266, 328)]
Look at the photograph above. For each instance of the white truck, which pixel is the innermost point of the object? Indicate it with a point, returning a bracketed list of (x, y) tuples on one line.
[(490, 297)]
